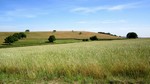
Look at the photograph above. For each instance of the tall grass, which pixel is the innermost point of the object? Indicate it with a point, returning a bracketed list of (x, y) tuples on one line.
[(104, 60)]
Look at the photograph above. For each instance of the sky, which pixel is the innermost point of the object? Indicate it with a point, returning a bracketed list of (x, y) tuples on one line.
[(115, 16)]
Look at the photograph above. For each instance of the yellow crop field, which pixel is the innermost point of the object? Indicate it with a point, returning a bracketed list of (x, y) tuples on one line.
[(86, 62)]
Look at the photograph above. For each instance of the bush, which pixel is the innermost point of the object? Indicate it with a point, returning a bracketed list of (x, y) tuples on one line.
[(27, 30), (22, 35), (132, 35), (85, 39), (17, 35), (93, 38), (80, 33), (54, 30), (51, 38), (10, 39)]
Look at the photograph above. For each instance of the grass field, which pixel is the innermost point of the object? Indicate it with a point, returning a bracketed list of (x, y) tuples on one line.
[(35, 42), (86, 62)]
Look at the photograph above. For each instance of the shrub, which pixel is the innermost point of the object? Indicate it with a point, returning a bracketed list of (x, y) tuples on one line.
[(10, 39), (107, 33), (27, 30), (132, 35), (85, 39), (17, 35), (22, 35), (14, 37), (51, 38), (54, 30), (80, 33), (93, 38)]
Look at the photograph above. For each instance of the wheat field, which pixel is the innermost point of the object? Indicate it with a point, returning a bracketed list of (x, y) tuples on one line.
[(77, 62)]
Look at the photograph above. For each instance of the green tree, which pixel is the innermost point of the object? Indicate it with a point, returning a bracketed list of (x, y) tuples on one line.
[(54, 30), (85, 39), (22, 35), (132, 35), (17, 35), (93, 38), (27, 30), (51, 38), (10, 39)]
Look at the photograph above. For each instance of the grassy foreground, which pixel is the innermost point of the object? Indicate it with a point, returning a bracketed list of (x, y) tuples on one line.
[(85, 62)]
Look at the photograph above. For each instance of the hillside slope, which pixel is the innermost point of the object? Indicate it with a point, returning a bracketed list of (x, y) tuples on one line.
[(59, 35)]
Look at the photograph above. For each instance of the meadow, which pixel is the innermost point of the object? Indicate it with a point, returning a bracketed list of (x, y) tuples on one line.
[(98, 62)]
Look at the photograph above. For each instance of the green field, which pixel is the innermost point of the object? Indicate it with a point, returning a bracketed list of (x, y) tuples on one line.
[(84, 62), (35, 42)]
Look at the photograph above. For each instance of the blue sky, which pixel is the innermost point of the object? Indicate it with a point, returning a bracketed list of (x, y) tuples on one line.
[(114, 16)]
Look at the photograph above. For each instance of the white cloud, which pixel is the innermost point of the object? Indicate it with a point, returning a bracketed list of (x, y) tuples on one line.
[(123, 6), (86, 9), (107, 8)]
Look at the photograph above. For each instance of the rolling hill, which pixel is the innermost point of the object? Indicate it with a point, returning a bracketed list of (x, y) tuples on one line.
[(59, 35)]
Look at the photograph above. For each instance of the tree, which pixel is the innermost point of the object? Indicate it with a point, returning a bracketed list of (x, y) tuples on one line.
[(51, 38), (22, 35), (80, 33), (27, 30), (85, 39), (17, 35), (10, 39), (93, 38), (132, 35), (54, 30)]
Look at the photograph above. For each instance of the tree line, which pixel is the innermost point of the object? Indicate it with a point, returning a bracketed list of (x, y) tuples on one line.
[(15, 37)]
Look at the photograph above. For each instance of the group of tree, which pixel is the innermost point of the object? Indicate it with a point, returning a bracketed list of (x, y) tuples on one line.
[(129, 35), (85, 39), (15, 37), (92, 38), (107, 33), (132, 35)]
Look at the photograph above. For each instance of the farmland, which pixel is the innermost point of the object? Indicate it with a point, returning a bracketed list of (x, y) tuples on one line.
[(41, 38), (83, 62)]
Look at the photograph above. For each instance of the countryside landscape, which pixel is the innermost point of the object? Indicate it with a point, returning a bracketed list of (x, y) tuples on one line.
[(74, 42), (69, 59)]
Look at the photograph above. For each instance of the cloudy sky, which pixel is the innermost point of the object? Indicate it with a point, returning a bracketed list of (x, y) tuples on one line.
[(114, 16)]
